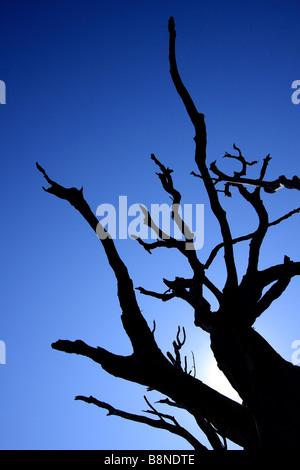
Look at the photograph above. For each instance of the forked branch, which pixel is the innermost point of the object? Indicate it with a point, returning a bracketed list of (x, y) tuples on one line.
[(161, 423), (147, 365)]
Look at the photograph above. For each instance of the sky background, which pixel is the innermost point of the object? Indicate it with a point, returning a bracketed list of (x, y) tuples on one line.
[(89, 96)]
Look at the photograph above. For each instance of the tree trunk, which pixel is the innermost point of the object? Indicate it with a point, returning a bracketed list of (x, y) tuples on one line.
[(267, 384)]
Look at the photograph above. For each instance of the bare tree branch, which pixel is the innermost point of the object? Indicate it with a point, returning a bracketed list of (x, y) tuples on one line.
[(248, 361), (164, 296), (119, 366), (159, 374), (274, 273), (259, 234), (149, 246), (167, 183), (164, 379), (161, 423), (203, 424), (200, 158), (284, 276), (195, 117), (194, 296), (268, 186), (194, 365), (241, 159), (242, 238), (177, 345), (190, 290), (134, 323)]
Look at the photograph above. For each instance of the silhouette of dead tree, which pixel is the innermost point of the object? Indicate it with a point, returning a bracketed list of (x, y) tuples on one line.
[(268, 385)]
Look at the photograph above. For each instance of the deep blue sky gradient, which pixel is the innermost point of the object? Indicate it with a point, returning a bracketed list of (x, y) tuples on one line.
[(89, 96)]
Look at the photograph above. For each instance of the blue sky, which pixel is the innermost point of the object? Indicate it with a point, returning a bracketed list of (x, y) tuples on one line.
[(89, 96)]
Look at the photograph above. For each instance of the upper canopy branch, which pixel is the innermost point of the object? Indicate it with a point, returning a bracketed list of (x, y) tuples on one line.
[(167, 241), (256, 237), (200, 158), (260, 232), (167, 183), (238, 179), (194, 115), (283, 276), (249, 236), (241, 159), (165, 296), (274, 273)]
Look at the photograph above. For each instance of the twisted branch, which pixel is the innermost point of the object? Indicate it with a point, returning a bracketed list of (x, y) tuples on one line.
[(237, 179)]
